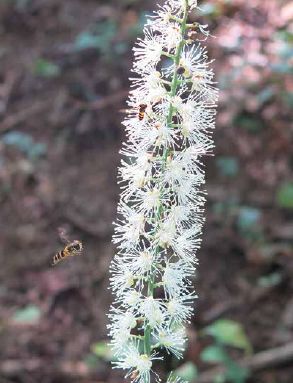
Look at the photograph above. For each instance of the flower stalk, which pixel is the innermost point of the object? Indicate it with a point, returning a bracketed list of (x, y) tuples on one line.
[(174, 84), (160, 213)]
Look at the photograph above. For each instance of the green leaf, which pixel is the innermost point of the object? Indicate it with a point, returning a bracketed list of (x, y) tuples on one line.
[(285, 196), (172, 378), (25, 143), (287, 98), (284, 35), (91, 361), (37, 151), (228, 166), (22, 141), (282, 67), (265, 95), (100, 37), (213, 354), (103, 351), (45, 68), (21, 5), (236, 374), (249, 225), (188, 371), (28, 315), (248, 217), (272, 279), (137, 29), (209, 9), (249, 123), (220, 378), (229, 332), (86, 40)]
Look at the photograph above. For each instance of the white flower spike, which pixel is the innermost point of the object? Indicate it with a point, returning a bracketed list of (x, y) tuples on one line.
[(169, 130)]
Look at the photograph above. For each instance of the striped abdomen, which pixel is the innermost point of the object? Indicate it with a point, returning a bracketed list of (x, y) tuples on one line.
[(74, 248), (141, 113), (59, 256)]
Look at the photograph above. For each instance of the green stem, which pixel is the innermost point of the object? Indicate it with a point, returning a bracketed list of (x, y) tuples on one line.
[(174, 85)]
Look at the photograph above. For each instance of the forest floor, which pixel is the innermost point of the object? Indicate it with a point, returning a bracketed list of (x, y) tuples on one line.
[(63, 80)]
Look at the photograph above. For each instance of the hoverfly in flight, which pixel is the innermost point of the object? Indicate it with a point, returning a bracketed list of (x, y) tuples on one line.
[(140, 113), (70, 250)]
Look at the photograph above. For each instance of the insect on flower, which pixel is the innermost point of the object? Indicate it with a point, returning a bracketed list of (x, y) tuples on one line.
[(70, 250), (193, 31), (141, 113)]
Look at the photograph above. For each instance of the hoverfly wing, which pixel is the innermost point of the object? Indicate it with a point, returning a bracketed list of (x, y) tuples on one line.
[(63, 234)]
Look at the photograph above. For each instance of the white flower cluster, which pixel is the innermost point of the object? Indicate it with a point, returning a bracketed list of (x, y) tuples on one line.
[(169, 127)]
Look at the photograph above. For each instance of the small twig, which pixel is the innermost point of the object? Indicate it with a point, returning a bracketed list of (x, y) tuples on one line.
[(252, 297), (6, 90), (103, 102), (261, 361), (218, 310), (58, 107), (23, 115)]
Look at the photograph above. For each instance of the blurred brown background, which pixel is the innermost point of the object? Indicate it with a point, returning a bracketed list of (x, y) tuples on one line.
[(63, 79)]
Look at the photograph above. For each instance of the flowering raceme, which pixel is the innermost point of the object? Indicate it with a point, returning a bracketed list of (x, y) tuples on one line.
[(160, 214)]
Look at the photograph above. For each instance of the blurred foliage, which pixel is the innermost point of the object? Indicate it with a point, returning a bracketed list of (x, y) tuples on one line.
[(226, 333), (273, 279), (230, 333), (212, 10), (248, 217), (284, 39), (251, 123), (248, 223), (227, 166), (20, 5), (103, 37), (234, 372), (187, 371), (28, 315), (213, 354), (45, 68), (24, 143), (226, 208), (100, 37), (285, 196), (103, 351), (137, 29)]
